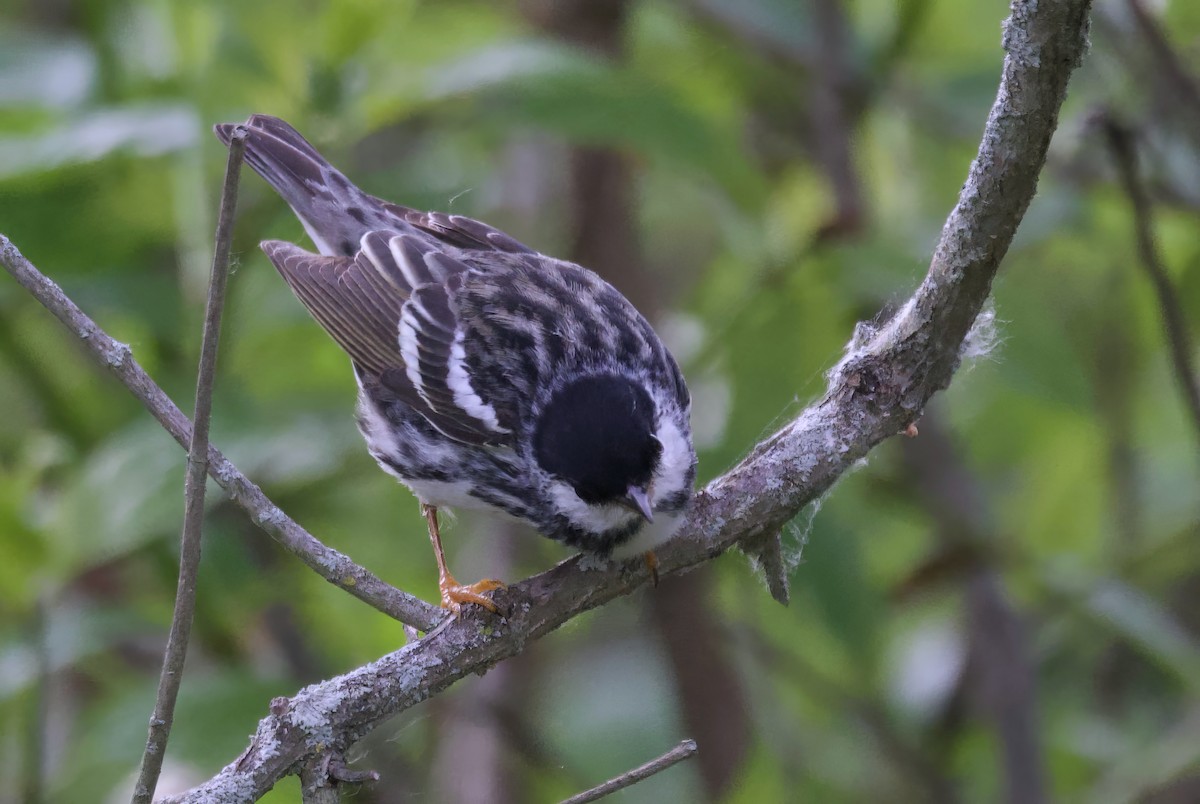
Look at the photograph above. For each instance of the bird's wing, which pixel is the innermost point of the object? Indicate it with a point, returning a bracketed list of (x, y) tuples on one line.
[(459, 231), (392, 308)]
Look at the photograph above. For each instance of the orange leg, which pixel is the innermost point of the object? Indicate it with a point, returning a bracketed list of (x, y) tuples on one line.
[(455, 594), (652, 565)]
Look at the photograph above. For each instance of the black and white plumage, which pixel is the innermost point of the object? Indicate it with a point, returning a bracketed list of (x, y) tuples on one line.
[(490, 376)]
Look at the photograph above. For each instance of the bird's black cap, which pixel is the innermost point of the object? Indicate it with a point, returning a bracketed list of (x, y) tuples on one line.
[(597, 434)]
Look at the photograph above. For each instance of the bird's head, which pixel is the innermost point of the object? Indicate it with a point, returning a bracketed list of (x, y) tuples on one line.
[(598, 439)]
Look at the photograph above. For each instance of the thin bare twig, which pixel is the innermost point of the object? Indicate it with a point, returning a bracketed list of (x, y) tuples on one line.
[(679, 753), (1121, 142), (193, 489), (330, 564)]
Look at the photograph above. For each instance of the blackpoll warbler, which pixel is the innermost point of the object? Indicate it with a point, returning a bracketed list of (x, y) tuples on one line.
[(490, 376)]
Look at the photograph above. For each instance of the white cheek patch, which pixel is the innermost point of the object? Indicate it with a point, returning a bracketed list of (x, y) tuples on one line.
[(592, 518), (459, 383), (676, 460)]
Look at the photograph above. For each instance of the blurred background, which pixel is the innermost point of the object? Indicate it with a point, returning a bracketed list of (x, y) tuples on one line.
[(1005, 608)]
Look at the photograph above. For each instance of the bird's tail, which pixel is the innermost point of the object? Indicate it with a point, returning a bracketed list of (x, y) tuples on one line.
[(335, 213)]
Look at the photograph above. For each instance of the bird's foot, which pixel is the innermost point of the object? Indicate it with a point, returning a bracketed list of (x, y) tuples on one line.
[(455, 594)]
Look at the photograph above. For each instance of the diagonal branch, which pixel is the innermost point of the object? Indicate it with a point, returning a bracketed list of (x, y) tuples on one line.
[(881, 386), (171, 677), (331, 565)]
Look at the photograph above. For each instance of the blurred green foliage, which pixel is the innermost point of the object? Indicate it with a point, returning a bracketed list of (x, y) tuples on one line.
[(1071, 427)]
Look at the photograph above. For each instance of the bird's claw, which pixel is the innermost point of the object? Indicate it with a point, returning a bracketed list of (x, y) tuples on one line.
[(454, 594)]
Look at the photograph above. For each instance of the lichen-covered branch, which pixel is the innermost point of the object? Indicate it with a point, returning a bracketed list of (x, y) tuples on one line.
[(881, 386)]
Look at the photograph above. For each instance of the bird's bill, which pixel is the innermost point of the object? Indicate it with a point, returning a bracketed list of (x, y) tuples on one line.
[(638, 501)]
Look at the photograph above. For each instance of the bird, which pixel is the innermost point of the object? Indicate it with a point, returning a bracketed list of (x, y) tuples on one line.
[(490, 376)]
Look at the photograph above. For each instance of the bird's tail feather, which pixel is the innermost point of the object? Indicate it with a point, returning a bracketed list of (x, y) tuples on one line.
[(335, 213)]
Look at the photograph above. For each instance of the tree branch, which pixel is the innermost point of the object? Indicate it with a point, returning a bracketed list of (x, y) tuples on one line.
[(193, 489), (331, 565), (881, 386), (679, 753)]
